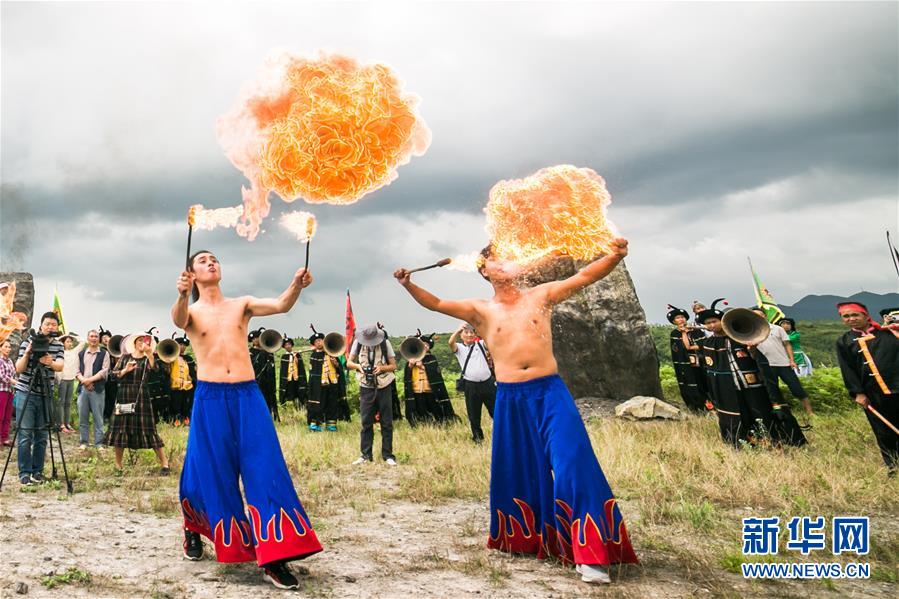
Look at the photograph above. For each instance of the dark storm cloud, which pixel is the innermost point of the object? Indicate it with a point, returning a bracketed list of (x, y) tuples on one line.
[(696, 115)]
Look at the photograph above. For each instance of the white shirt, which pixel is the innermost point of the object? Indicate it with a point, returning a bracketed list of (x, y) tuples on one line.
[(478, 369), (70, 363), (773, 347)]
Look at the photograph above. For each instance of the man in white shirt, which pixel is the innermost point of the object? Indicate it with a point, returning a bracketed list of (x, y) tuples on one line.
[(477, 380), (778, 364)]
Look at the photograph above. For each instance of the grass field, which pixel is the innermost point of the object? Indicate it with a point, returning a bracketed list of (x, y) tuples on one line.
[(683, 492)]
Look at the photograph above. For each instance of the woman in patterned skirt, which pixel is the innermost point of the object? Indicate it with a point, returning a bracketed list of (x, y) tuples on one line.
[(133, 423)]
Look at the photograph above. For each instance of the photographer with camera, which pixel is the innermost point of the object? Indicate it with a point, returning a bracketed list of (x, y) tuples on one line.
[(39, 356), (374, 361)]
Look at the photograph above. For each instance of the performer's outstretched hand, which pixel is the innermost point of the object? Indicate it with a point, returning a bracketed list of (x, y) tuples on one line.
[(303, 277), (185, 283), (619, 247), (403, 276)]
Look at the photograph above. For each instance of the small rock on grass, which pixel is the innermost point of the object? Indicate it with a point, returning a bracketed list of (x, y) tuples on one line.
[(21, 588)]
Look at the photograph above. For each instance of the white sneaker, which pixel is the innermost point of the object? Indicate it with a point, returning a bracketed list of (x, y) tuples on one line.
[(390, 462), (82, 447), (593, 574), (359, 461)]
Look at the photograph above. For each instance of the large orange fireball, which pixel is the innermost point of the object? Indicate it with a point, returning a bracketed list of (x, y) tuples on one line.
[(559, 209), (327, 130)]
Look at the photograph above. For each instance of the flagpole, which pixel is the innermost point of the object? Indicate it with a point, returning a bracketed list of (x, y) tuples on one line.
[(755, 285)]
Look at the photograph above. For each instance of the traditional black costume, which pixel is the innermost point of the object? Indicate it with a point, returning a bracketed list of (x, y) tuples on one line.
[(264, 369), (182, 380), (424, 390), (691, 379), (869, 362), (292, 383), (739, 393), (326, 378)]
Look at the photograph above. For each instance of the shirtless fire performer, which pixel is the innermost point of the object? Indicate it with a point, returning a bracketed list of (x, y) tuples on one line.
[(548, 494), (232, 435)]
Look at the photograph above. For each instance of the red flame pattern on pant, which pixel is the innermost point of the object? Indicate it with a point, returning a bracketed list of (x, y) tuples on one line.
[(579, 540)]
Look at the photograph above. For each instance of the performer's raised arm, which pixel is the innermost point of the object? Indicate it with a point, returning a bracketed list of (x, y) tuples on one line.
[(559, 291), (181, 308), (462, 309), (284, 302)]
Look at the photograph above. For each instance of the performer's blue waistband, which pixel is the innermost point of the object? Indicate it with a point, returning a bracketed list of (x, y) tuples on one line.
[(542, 381), (213, 390)]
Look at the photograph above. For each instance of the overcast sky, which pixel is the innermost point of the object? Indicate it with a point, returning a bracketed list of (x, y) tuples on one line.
[(723, 131)]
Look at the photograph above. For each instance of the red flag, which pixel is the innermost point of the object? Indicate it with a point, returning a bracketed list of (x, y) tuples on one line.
[(350, 323)]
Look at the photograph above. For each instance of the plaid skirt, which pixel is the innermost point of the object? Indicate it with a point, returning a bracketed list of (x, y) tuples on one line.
[(136, 430)]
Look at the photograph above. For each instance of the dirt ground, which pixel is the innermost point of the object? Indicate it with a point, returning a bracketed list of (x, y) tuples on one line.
[(129, 542)]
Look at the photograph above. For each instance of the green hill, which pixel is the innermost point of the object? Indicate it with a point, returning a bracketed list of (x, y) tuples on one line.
[(818, 339)]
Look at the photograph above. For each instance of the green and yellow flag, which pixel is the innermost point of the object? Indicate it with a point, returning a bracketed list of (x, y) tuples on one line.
[(763, 297), (57, 308)]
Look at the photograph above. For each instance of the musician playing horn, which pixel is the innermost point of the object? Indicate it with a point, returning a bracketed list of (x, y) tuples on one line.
[(738, 390), (232, 435), (264, 371), (691, 378), (325, 374), (292, 376)]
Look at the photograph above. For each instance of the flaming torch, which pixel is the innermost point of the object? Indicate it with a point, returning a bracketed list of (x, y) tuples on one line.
[(191, 220), (303, 225), (438, 264)]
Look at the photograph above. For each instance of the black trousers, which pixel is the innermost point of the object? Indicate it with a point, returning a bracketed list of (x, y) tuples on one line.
[(771, 375), (180, 404), (478, 394), (289, 391), (325, 409), (370, 402), (887, 440), (270, 400)]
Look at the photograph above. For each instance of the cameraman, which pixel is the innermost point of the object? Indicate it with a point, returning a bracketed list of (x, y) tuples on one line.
[(34, 397), (375, 362)]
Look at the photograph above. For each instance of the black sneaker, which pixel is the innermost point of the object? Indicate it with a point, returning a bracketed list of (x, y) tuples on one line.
[(25, 481), (279, 575), (193, 546), (38, 478)]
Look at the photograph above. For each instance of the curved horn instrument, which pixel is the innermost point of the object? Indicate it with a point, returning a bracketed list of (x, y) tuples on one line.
[(335, 344), (271, 340), (745, 326), (413, 349), (168, 350), (115, 345)]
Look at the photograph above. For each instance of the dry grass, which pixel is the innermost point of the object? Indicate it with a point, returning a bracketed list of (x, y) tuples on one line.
[(683, 492)]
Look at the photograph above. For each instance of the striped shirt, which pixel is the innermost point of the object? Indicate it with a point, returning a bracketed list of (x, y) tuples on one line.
[(7, 372), (57, 351)]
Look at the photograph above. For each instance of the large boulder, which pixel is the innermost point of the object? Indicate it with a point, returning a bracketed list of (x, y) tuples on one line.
[(20, 311), (600, 336)]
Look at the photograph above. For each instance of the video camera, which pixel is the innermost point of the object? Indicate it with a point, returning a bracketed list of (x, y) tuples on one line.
[(40, 343), (892, 317)]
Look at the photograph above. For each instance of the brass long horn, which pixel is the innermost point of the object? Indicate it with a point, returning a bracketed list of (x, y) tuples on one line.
[(271, 340), (745, 326), (413, 349), (335, 344), (115, 345), (168, 350)]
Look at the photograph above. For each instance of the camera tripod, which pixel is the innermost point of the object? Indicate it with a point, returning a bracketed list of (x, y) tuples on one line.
[(41, 373)]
